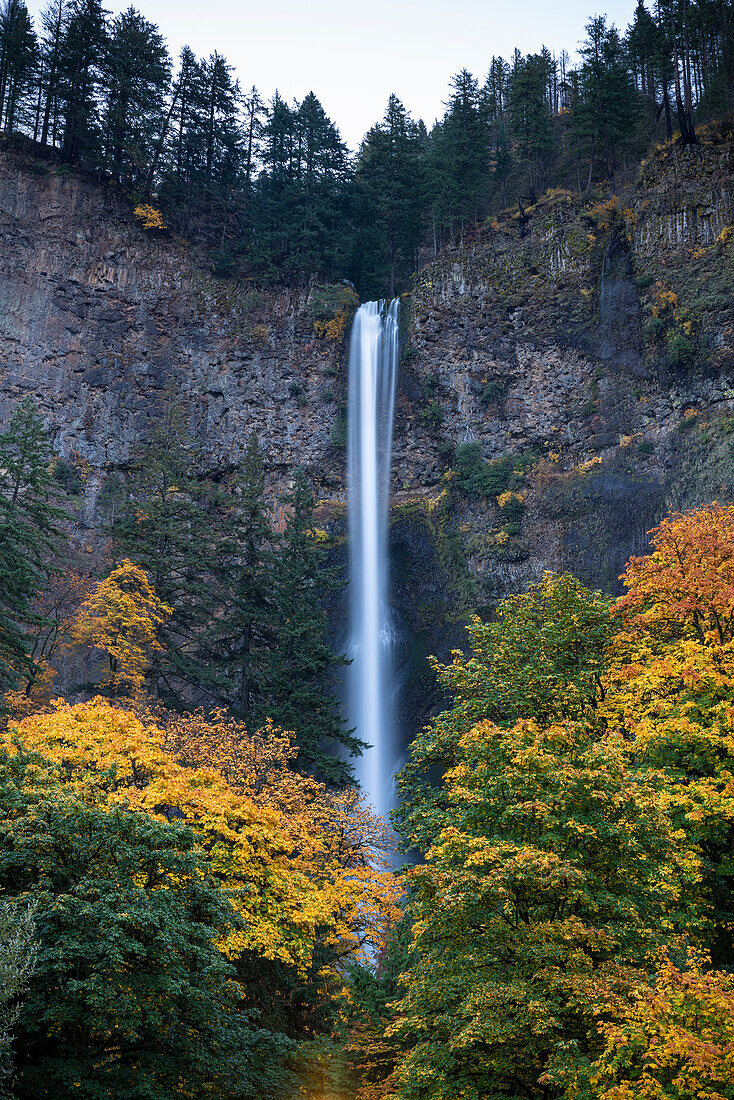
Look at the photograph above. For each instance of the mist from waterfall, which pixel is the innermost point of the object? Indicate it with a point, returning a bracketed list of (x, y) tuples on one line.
[(373, 364)]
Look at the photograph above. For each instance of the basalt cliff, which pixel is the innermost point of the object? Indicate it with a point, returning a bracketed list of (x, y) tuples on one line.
[(567, 373)]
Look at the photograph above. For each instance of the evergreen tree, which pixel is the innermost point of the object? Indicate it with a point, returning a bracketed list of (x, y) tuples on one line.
[(607, 100), (299, 200), (81, 61), (136, 77), (53, 21), (131, 995), (27, 535), (18, 58), (299, 666), (530, 115), (246, 628), (642, 47), (389, 181), (168, 525), (182, 168), (459, 155)]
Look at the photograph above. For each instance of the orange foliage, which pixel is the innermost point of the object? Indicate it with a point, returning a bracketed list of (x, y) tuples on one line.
[(686, 586)]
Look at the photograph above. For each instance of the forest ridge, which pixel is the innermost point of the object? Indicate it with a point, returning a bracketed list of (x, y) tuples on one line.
[(269, 190)]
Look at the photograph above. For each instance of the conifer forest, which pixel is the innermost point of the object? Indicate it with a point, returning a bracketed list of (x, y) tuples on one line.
[(367, 573)]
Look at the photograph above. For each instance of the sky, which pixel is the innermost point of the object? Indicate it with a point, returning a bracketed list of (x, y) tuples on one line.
[(354, 55)]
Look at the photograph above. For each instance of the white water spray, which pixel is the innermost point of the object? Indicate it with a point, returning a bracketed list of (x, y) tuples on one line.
[(373, 362)]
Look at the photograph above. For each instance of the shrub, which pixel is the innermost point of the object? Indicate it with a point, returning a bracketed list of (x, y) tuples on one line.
[(339, 429), (493, 478), (681, 349), (432, 415), (149, 217), (493, 393)]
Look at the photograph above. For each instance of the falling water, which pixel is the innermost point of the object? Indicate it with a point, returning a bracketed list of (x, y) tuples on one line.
[(373, 359)]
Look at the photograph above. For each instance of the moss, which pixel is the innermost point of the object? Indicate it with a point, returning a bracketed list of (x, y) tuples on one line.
[(705, 462), (436, 572), (338, 432)]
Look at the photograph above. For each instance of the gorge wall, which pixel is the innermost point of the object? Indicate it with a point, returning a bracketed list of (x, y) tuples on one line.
[(591, 341)]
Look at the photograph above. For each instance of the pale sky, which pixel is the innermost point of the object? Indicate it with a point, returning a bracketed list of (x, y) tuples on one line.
[(353, 55)]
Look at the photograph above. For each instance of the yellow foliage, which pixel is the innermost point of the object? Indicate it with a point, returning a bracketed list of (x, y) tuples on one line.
[(37, 693), (725, 236), (504, 498), (302, 864), (260, 335), (605, 213), (149, 217), (122, 616), (674, 1041), (335, 328), (589, 464), (664, 301)]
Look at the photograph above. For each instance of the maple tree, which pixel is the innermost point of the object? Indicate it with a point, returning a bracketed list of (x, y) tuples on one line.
[(552, 873), (542, 656), (670, 688), (673, 1041), (122, 616), (303, 862)]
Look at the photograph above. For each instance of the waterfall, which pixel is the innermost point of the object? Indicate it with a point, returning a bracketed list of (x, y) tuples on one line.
[(373, 361)]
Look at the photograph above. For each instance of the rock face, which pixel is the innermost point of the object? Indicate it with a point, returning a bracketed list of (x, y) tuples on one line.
[(595, 340), (593, 343), (98, 321)]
